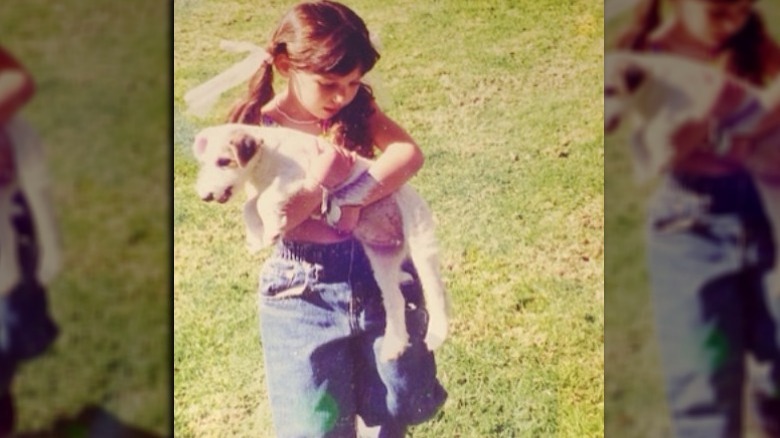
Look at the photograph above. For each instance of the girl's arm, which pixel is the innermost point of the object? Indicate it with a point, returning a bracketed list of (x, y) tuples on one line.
[(16, 86), (770, 94), (400, 160), (764, 154), (759, 148), (771, 99), (326, 170)]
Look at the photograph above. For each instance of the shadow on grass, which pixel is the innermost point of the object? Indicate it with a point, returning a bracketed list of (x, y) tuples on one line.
[(91, 422)]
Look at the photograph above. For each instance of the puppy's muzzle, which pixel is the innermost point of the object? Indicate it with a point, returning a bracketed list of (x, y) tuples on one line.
[(613, 110), (622, 79), (225, 197)]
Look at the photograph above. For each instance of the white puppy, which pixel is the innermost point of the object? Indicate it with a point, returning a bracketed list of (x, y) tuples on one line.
[(666, 97), (31, 180), (273, 162)]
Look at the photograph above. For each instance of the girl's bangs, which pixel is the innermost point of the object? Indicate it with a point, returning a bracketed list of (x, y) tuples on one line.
[(345, 56)]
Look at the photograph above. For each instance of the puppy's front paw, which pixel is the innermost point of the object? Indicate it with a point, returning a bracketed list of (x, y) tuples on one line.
[(253, 243), (270, 239), (438, 329), (48, 269), (392, 347)]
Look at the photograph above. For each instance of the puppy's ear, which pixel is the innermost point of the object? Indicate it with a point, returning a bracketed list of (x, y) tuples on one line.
[(633, 77), (244, 147)]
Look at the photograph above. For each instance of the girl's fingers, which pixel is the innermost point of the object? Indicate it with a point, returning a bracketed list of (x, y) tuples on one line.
[(332, 167)]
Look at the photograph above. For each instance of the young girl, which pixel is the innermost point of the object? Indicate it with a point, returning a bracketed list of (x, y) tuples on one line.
[(321, 312), (25, 327), (709, 241)]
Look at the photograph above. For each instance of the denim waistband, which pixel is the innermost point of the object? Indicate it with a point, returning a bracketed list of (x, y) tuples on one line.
[(713, 183), (319, 253), (334, 259), (727, 193)]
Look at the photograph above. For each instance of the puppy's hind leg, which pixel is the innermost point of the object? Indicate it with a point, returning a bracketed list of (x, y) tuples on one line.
[(34, 182), (419, 228), (426, 262), (46, 231), (386, 264)]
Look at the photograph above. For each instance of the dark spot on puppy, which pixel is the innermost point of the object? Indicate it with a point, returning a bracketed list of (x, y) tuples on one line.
[(634, 76), (244, 147)]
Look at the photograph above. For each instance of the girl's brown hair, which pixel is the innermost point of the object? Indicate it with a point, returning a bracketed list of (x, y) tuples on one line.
[(751, 52), (322, 37)]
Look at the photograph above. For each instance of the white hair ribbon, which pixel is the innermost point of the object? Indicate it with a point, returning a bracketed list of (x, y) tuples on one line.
[(202, 98)]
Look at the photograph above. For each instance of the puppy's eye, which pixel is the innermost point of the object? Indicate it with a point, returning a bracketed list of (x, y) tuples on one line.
[(610, 91), (226, 162)]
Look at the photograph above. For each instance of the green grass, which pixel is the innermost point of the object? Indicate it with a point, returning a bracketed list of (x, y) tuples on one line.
[(505, 100), (635, 403), (102, 109)]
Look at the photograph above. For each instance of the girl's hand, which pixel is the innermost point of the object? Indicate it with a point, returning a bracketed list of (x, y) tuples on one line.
[(331, 167), (327, 170), (687, 136), (350, 215)]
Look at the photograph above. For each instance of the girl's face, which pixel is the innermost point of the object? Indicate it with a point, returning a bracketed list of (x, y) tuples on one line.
[(324, 95), (713, 22)]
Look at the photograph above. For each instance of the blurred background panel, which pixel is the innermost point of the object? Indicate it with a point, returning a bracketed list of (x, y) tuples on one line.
[(635, 404), (103, 109)]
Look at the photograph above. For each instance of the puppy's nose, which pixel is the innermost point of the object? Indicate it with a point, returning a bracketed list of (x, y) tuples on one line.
[(209, 197)]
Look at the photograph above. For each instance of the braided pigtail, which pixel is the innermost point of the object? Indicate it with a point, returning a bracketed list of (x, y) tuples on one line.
[(647, 17), (260, 91)]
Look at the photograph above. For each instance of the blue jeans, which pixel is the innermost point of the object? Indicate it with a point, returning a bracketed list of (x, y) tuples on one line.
[(709, 250), (322, 322)]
